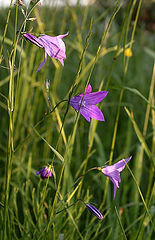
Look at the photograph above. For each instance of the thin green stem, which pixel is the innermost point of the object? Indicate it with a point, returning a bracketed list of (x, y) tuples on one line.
[(5, 30), (120, 223), (10, 134), (40, 207), (141, 195)]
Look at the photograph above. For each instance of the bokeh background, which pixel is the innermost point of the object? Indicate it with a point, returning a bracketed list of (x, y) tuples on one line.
[(30, 199)]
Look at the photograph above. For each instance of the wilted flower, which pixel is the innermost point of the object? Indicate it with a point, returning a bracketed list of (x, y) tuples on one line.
[(94, 211), (54, 46), (45, 172), (86, 105), (113, 172)]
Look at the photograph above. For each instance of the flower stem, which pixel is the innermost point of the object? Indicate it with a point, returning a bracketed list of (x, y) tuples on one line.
[(10, 134)]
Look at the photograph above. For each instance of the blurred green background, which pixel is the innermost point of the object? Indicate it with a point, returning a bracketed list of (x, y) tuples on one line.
[(31, 105)]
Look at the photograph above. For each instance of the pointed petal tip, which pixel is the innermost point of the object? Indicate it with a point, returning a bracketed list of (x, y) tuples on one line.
[(61, 61), (128, 159), (89, 88), (115, 187), (102, 118), (63, 35)]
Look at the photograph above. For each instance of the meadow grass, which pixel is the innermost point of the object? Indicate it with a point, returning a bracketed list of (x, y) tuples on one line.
[(35, 133)]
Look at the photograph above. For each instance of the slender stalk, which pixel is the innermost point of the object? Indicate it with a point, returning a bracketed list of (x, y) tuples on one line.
[(10, 134), (120, 223), (5, 30), (40, 207)]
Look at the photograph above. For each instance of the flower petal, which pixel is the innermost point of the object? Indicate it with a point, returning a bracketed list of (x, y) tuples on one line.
[(115, 186), (92, 111), (94, 211), (85, 114), (94, 98), (121, 164), (88, 90), (62, 36), (42, 62), (74, 102), (54, 51), (61, 61), (42, 170), (33, 39), (55, 44), (45, 172)]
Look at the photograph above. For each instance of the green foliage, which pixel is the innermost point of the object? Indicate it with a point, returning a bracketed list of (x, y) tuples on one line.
[(31, 136)]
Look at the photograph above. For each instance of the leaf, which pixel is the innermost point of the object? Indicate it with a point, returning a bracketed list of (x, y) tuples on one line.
[(135, 91), (140, 136), (53, 149)]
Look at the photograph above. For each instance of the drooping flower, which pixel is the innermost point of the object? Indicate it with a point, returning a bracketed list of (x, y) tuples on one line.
[(87, 105), (45, 172), (113, 172), (54, 46), (94, 211)]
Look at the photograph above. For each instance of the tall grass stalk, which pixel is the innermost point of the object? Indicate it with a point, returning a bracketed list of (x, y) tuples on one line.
[(10, 132)]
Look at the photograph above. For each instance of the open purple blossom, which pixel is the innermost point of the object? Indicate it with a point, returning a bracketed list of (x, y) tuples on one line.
[(87, 105), (45, 172), (94, 211), (113, 172), (54, 46)]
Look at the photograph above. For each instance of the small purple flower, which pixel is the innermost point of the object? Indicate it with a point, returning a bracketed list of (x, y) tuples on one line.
[(94, 211), (88, 106), (54, 46), (113, 172), (45, 172)]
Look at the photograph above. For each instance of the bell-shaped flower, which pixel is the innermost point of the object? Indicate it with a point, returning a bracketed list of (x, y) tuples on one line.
[(113, 172), (94, 211), (87, 105), (46, 172), (54, 46)]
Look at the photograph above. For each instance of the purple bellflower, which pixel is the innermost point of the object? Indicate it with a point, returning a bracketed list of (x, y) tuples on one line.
[(54, 46), (45, 172), (87, 105), (113, 172), (94, 211)]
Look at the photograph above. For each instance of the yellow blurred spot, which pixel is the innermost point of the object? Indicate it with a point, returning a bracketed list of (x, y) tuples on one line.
[(128, 52)]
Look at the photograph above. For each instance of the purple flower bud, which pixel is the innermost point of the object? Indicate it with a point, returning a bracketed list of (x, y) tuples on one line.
[(54, 46), (88, 107), (94, 211), (45, 172)]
